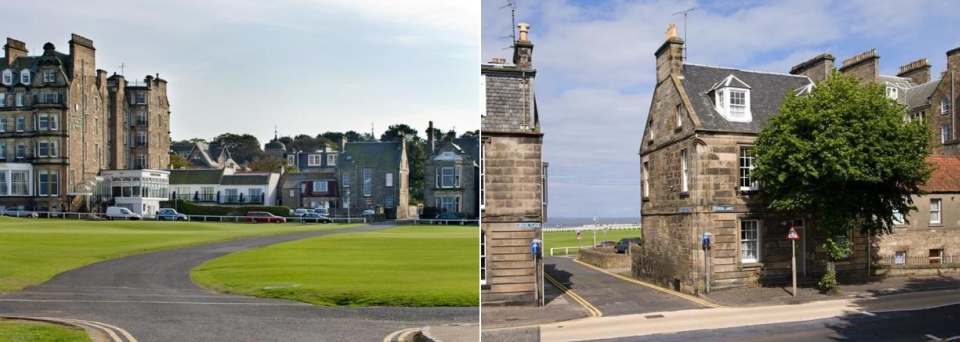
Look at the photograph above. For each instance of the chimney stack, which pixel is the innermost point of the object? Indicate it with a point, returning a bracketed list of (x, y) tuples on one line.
[(953, 60), (523, 49), (817, 68), (14, 49), (865, 66), (343, 143), (670, 55), (918, 71)]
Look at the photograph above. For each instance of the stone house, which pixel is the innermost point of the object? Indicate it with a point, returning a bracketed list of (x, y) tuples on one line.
[(512, 186), (205, 155), (62, 121), (224, 187), (451, 175), (695, 164)]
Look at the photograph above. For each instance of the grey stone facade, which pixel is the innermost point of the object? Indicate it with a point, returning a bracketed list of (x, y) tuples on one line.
[(60, 118), (512, 203), (460, 189)]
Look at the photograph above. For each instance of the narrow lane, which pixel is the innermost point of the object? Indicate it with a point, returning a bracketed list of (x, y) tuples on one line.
[(151, 296), (613, 296)]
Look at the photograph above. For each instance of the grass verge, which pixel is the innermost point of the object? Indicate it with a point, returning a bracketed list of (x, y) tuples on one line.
[(569, 239), (406, 266), (19, 331), (34, 250)]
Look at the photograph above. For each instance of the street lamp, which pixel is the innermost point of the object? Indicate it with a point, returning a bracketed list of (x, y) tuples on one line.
[(348, 206)]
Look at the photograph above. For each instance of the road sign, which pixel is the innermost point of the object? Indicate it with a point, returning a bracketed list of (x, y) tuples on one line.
[(792, 235)]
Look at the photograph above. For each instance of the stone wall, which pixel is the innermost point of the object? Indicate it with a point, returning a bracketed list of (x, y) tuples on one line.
[(604, 258)]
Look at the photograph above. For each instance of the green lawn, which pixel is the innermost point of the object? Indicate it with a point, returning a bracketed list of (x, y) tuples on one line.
[(569, 239), (16, 331), (34, 250), (406, 266)]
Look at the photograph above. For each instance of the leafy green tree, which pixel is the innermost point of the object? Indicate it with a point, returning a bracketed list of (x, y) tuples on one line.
[(394, 131), (178, 162), (353, 136), (471, 134), (189, 141), (844, 154), (266, 163), (243, 148)]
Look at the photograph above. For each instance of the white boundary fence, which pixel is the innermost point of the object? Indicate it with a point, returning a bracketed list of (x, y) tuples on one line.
[(566, 250), (461, 222), (193, 218), (625, 226)]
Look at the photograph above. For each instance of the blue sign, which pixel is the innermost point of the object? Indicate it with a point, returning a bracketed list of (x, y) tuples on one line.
[(528, 225), (723, 208), (684, 210)]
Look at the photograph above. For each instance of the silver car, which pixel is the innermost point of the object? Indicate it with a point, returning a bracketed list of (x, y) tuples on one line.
[(20, 213)]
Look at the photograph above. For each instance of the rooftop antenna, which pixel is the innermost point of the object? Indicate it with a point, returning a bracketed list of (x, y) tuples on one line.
[(372, 134), (513, 23), (121, 68), (684, 12)]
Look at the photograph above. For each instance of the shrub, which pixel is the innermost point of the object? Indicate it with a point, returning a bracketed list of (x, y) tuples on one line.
[(188, 208)]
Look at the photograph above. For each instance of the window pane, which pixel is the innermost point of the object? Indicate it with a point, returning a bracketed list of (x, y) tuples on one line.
[(749, 241)]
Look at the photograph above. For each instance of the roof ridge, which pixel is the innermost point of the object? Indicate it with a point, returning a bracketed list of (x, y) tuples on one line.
[(744, 70)]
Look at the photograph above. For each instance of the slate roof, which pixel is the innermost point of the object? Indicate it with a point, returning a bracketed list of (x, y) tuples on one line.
[(382, 155), (245, 180), (767, 91), (469, 145), (946, 174), (292, 180), (195, 176), (182, 148), (920, 95)]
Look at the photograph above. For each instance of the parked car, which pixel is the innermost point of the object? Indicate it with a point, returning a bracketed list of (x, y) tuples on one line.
[(15, 212), (447, 218), (300, 212), (321, 211), (607, 243), (316, 218), (624, 244), (122, 213), (168, 214), (263, 216), (368, 212)]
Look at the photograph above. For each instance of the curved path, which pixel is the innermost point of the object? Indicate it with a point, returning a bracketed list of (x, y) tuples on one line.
[(151, 296)]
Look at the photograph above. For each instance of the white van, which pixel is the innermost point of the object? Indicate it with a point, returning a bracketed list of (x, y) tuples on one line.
[(114, 213)]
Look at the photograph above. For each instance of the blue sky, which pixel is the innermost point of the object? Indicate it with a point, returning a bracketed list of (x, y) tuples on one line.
[(243, 66), (595, 68)]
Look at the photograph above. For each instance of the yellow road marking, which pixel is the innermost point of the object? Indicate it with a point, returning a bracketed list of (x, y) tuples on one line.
[(697, 300), (594, 312)]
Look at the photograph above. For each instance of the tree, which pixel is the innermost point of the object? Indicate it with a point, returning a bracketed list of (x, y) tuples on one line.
[(243, 148), (266, 163), (178, 162), (844, 154), (394, 131), (353, 136), (189, 141), (470, 134)]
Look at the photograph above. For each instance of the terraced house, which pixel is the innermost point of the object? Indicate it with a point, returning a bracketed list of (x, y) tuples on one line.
[(696, 159), (451, 175), (62, 121), (512, 180)]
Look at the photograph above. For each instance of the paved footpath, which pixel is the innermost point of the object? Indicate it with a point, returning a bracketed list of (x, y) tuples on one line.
[(152, 296), (612, 295)]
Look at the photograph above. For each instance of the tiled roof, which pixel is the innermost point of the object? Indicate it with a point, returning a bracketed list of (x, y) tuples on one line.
[(381, 155), (469, 145), (245, 180), (195, 176), (946, 174), (920, 95), (767, 91)]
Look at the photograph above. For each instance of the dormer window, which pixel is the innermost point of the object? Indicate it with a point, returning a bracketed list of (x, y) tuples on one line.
[(7, 77), (49, 76), (25, 77), (892, 92), (732, 99)]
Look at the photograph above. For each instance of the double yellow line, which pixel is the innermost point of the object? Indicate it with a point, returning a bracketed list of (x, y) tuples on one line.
[(592, 310), (694, 299)]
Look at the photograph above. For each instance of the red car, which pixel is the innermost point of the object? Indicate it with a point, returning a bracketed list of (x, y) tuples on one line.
[(263, 216)]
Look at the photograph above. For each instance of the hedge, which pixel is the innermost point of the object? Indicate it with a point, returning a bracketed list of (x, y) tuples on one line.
[(188, 208)]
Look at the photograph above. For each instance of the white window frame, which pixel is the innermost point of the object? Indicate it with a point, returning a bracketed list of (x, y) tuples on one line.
[(21, 187), (747, 165), (443, 177), (389, 179), (141, 161), (331, 159), (646, 179), (892, 92), (21, 151), (900, 258), (945, 135), (936, 211), (54, 181), (8, 77), (20, 96), (685, 171), (43, 183), (43, 149), (448, 203), (724, 97), (292, 193), (21, 123), (314, 160), (321, 186), (898, 219), (291, 159), (54, 119), (367, 182), (140, 98), (748, 242), (43, 122), (944, 106), (252, 197), (49, 76), (483, 258), (25, 77), (680, 113)]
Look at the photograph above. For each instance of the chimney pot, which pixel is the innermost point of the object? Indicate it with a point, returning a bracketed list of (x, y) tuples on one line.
[(671, 31), (524, 28)]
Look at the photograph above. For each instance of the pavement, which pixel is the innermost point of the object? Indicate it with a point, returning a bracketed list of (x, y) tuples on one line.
[(152, 297)]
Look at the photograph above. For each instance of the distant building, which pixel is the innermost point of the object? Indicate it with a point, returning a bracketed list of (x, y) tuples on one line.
[(452, 175), (512, 180), (204, 155), (224, 187), (62, 121)]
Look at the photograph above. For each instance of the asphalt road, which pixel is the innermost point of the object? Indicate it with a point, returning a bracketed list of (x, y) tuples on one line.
[(881, 322), (611, 295), (152, 297)]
